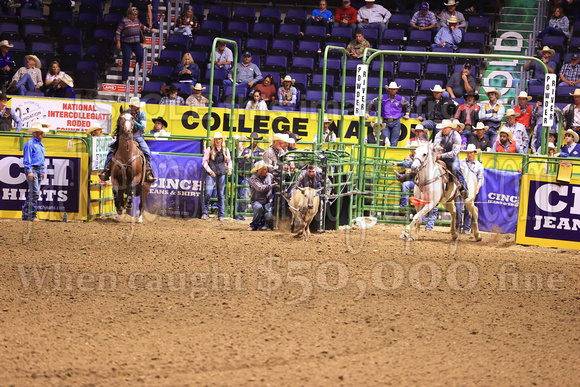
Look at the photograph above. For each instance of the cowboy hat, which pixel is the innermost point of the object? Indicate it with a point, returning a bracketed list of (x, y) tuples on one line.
[(506, 131), (218, 135), (437, 89), (67, 79), (452, 20), (294, 136), (37, 127), (451, 2), (551, 146), (136, 101), (479, 126), (366, 221), (94, 127), (548, 49), (458, 124), (374, 125), (414, 144), (259, 165), (4, 96), (288, 78), (417, 127), (4, 43), (511, 112), (525, 95), (287, 139), (576, 93), (393, 85), (326, 119), (277, 137), (493, 90), (35, 58), (255, 136), (446, 124), (471, 94), (471, 148), (160, 119), (573, 133), (197, 87), (173, 88), (238, 137)]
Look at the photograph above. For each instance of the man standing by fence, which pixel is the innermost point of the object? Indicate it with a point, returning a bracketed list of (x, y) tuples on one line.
[(33, 160), (468, 165)]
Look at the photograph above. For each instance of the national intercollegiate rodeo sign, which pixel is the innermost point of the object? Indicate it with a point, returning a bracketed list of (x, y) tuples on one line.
[(549, 213)]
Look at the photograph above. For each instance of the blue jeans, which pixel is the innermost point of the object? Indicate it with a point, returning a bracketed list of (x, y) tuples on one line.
[(453, 166), (392, 131), (25, 84), (31, 204), (128, 48), (243, 194), (224, 67), (536, 82), (262, 215), (432, 126), (374, 26), (220, 181), (549, 30), (408, 186), (155, 13), (185, 30), (323, 23), (144, 147), (462, 221), (229, 82), (352, 26), (491, 134)]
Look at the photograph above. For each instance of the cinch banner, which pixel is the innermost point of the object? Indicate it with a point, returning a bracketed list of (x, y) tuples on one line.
[(177, 191), (60, 191), (549, 213), (498, 201)]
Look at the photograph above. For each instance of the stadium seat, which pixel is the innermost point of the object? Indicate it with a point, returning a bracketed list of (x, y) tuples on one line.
[(103, 37), (152, 87), (340, 35), (200, 57), (263, 31), (394, 37), (199, 11), (372, 36), (111, 21), (177, 42), (308, 48), (413, 58), (408, 84), (244, 14), (282, 48), (388, 69), (257, 46), (332, 66), (30, 16), (301, 81), (270, 16), (314, 34), (85, 79), (437, 71), (211, 28), (419, 38), (70, 35), (203, 43), (447, 60), (161, 74), (427, 84), (410, 70), (474, 40), (275, 63), (302, 65), (556, 42), (87, 21), (296, 16), (238, 29), (59, 20), (119, 7), (91, 6), (220, 13), (478, 24), (399, 21), (7, 28), (87, 65), (169, 58), (288, 32)]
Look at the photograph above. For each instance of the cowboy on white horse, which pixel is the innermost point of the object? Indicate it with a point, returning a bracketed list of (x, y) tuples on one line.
[(447, 143)]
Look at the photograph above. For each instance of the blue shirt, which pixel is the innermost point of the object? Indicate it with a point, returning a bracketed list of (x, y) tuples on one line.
[(6, 61), (450, 38), (325, 15), (570, 150), (539, 70), (33, 154), (15, 118), (140, 124)]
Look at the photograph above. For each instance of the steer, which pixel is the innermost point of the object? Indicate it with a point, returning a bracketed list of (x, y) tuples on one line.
[(304, 206)]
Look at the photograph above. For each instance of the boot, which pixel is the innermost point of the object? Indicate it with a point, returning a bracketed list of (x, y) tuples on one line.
[(104, 176), (463, 192), (400, 176), (149, 176), (11, 89)]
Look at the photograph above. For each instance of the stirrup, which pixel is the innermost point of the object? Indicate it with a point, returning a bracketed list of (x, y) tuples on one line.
[(104, 176)]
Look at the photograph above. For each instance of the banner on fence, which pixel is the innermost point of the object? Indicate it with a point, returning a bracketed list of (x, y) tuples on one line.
[(61, 191), (175, 146), (498, 201), (63, 114), (549, 213), (100, 149)]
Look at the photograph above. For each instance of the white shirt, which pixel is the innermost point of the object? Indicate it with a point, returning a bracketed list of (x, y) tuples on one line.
[(475, 167), (376, 14)]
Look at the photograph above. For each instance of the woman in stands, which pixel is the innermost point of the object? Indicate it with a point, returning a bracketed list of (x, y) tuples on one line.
[(128, 38), (267, 89), (52, 80), (186, 71), (287, 92), (256, 102), (558, 25), (187, 23)]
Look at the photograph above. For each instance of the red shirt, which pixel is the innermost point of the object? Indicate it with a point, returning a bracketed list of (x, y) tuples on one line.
[(348, 14), (525, 117)]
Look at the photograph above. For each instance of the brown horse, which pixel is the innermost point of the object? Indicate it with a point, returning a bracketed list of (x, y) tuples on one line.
[(128, 170)]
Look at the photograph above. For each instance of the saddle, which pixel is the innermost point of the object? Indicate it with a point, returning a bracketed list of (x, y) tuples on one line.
[(446, 175)]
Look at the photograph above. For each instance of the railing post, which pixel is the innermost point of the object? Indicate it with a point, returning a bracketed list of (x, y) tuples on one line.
[(135, 83)]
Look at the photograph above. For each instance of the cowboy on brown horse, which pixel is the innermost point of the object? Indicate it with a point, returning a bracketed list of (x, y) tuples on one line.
[(140, 121)]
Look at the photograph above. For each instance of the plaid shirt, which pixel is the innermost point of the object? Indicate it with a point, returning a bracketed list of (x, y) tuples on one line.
[(177, 101), (571, 73), (424, 21)]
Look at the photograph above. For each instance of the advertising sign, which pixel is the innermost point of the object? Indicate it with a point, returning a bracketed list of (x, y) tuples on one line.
[(498, 201), (100, 149)]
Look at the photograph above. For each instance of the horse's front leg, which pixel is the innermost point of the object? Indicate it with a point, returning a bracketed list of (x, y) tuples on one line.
[(474, 219), (450, 206)]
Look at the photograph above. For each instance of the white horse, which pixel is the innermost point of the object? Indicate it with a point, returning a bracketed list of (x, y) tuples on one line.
[(429, 189)]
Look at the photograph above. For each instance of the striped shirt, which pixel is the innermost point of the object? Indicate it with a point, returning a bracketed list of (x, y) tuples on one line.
[(128, 31), (424, 21)]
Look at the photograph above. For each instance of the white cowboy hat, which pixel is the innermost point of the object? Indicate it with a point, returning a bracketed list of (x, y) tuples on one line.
[(393, 85), (414, 144), (94, 127), (446, 124), (417, 127), (576, 93), (573, 133), (238, 137), (35, 58), (458, 124), (37, 127), (67, 79), (551, 146), (525, 95), (326, 119), (511, 112), (493, 90), (136, 101), (366, 221), (287, 138), (506, 131), (451, 2), (480, 126), (471, 148), (4, 43), (548, 49), (197, 87), (453, 20), (43, 122), (277, 137), (218, 135), (437, 89), (288, 78), (259, 165)]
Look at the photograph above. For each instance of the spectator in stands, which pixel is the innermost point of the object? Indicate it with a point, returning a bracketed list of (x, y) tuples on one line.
[(321, 17), (520, 134), (570, 72), (33, 160), (287, 93), (469, 166), (346, 16), (451, 12), (392, 107), (468, 113), (434, 109), (419, 134), (372, 137), (128, 38), (571, 113), (267, 88), (505, 144), (196, 99), (424, 19), (145, 11), (173, 98), (539, 75), (187, 71), (6, 63), (262, 186), (7, 115), (461, 82), (8, 6), (217, 163), (327, 134), (159, 128), (53, 78), (248, 72), (356, 47), (256, 101), (27, 78), (449, 35), (491, 113), (571, 148), (64, 88), (469, 6), (558, 25), (223, 57), (479, 138), (524, 109), (535, 143), (447, 143), (373, 16), (186, 23)]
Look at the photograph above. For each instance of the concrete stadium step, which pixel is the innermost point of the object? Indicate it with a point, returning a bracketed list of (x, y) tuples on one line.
[(518, 19), (519, 11), (116, 78), (515, 26)]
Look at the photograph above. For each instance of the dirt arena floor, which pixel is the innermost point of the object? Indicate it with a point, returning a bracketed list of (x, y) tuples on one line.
[(192, 302)]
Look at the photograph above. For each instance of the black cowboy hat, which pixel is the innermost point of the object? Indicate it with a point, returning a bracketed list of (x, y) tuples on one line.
[(173, 88), (4, 96), (255, 136), (294, 136), (160, 119), (471, 94)]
